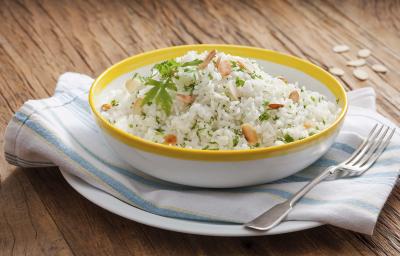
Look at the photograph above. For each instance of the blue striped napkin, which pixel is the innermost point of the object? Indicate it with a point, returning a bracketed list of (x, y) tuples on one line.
[(59, 131)]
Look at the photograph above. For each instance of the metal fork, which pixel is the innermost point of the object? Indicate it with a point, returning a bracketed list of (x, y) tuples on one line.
[(358, 163)]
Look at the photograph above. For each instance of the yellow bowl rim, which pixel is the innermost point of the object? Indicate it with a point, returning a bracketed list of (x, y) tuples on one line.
[(222, 155)]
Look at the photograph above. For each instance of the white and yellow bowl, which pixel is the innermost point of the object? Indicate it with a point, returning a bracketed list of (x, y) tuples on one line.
[(222, 168)]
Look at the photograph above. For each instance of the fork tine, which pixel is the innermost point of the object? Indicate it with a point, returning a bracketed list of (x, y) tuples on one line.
[(379, 151), (375, 145), (367, 146), (362, 145)]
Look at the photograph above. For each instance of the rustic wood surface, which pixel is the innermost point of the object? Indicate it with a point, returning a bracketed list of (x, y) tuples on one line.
[(40, 214)]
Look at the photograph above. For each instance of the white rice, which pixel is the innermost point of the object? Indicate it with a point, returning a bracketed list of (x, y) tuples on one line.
[(214, 120)]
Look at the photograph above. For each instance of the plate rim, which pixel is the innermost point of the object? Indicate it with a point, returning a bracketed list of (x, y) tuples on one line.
[(125, 210)]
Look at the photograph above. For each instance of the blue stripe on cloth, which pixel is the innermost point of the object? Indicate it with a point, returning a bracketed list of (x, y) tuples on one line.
[(344, 147), (117, 186)]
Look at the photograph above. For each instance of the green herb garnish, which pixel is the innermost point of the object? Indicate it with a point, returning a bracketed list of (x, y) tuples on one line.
[(239, 82), (114, 103), (264, 116), (235, 140), (287, 138), (159, 94)]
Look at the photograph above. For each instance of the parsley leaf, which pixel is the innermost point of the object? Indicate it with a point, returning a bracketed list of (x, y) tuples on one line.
[(114, 103)]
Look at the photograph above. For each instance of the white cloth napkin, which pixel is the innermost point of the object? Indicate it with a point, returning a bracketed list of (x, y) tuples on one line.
[(59, 131)]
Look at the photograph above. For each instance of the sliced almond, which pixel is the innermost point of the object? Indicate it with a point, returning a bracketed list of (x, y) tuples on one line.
[(170, 139), (106, 107), (336, 71), (294, 96), (379, 68), (307, 125), (356, 63), (282, 78), (250, 134), (208, 59), (137, 106), (363, 53), (241, 65), (275, 105), (224, 68), (340, 48), (187, 99), (233, 92), (218, 61), (360, 74), (131, 85)]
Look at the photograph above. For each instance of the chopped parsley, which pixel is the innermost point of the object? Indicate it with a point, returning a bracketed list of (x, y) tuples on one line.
[(114, 103), (287, 138), (264, 116), (239, 82), (235, 140)]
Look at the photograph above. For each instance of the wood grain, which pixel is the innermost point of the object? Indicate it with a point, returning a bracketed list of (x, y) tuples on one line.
[(39, 40)]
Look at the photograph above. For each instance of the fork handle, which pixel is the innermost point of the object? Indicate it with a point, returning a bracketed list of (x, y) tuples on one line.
[(276, 214)]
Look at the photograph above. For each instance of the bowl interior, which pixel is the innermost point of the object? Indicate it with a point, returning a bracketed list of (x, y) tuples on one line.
[(274, 63)]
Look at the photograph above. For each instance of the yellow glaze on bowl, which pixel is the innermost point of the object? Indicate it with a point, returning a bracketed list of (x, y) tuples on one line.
[(140, 60)]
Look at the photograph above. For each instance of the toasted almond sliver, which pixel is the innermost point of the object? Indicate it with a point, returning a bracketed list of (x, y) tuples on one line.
[(188, 99), (250, 134), (218, 61), (106, 107), (275, 105), (233, 92), (307, 125), (360, 74), (340, 48), (336, 71), (379, 68), (131, 85), (364, 53), (207, 60), (170, 139), (282, 78), (137, 106), (356, 63), (224, 68), (294, 96), (241, 65)]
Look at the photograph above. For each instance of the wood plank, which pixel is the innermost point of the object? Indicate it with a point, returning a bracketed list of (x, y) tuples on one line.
[(39, 40)]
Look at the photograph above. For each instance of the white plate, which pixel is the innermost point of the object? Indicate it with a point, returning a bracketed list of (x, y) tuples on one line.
[(125, 210)]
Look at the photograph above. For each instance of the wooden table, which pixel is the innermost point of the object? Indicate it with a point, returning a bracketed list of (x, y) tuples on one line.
[(39, 40)]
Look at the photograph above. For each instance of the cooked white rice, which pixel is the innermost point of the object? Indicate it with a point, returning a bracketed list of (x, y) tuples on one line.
[(217, 110)]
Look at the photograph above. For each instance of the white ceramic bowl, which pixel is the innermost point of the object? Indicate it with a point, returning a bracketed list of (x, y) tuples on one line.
[(223, 168)]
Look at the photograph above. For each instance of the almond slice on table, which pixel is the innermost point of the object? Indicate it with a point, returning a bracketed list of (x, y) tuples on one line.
[(106, 107), (364, 53), (379, 68), (208, 59), (336, 71), (187, 99), (340, 48), (250, 134), (360, 74), (356, 63), (294, 96), (275, 105), (224, 68), (170, 139)]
